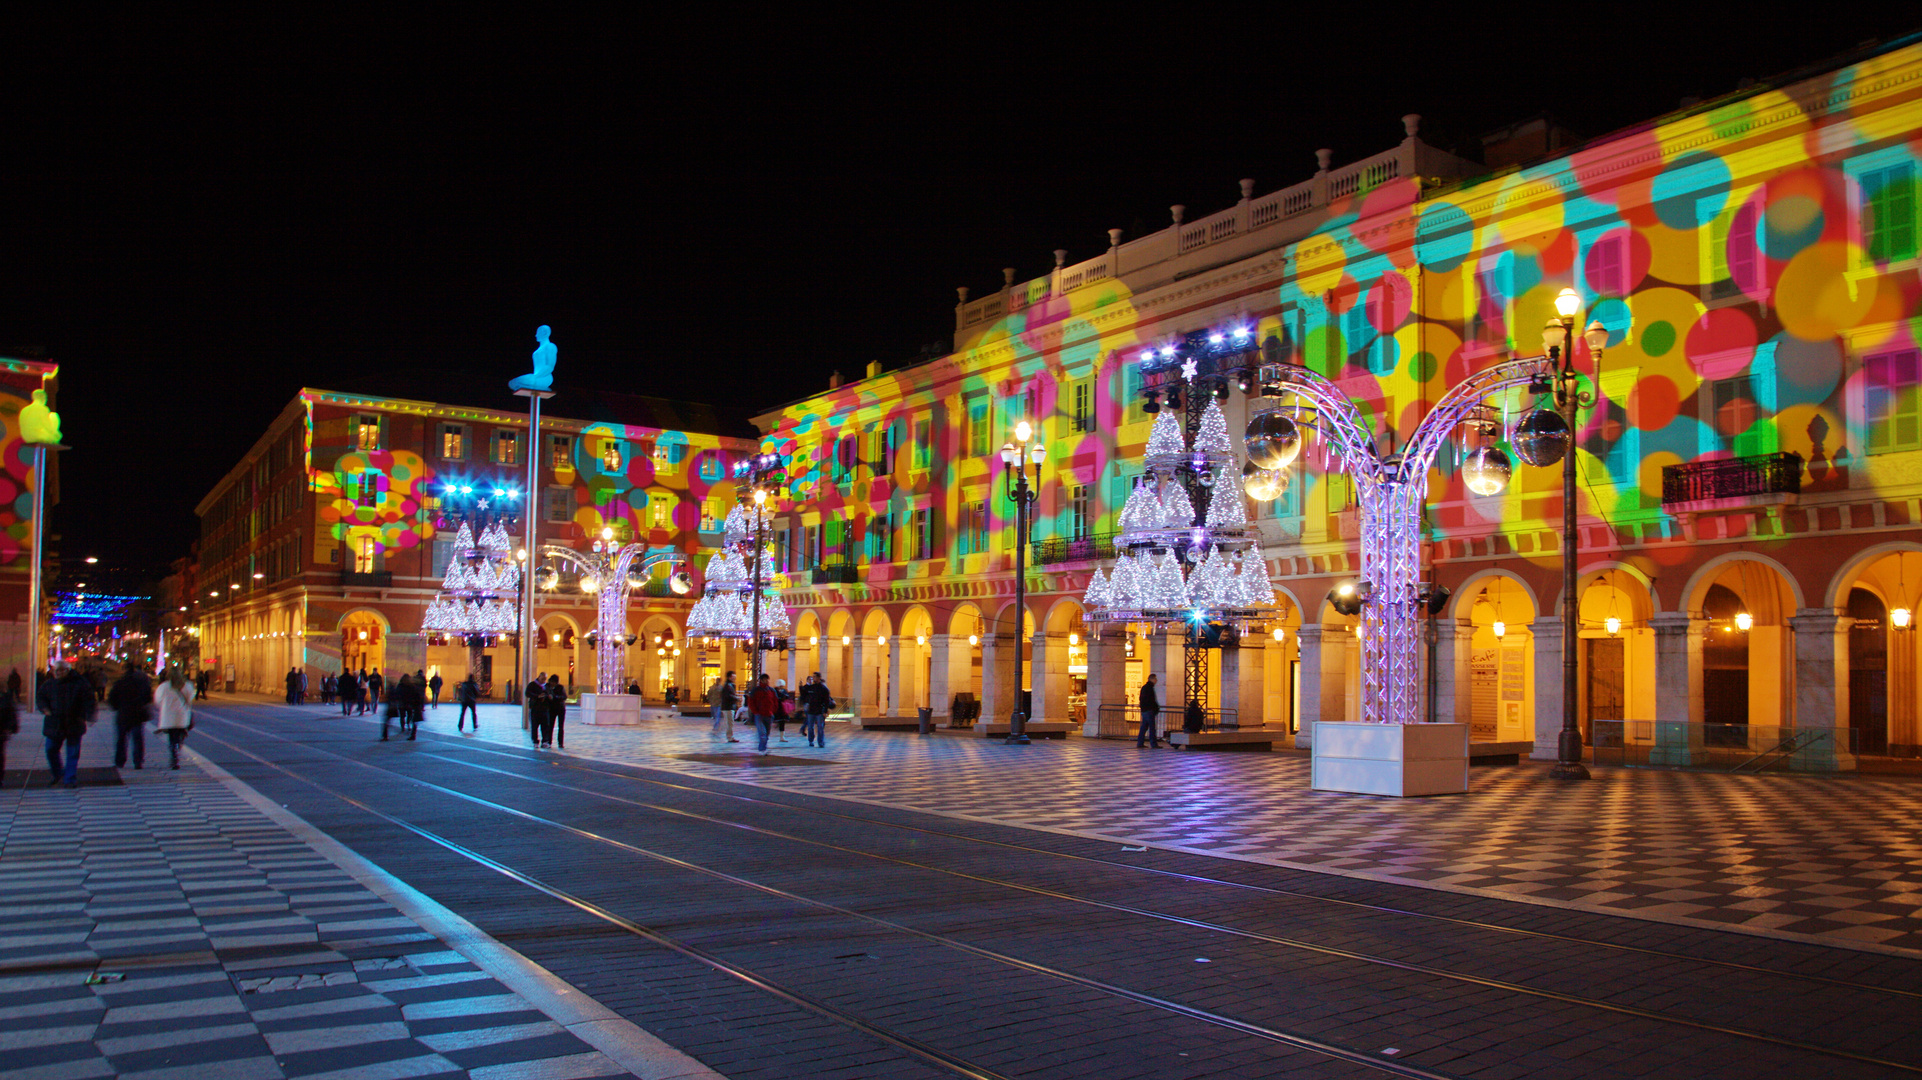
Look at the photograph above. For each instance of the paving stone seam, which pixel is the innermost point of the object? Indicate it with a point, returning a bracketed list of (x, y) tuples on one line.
[(625, 1043)]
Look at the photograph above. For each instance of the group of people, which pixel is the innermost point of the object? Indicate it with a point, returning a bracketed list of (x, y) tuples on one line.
[(770, 707), (546, 711), (68, 704)]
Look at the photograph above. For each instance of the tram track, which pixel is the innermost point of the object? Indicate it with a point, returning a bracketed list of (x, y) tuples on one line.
[(1130, 911), (921, 1050), (1473, 924)]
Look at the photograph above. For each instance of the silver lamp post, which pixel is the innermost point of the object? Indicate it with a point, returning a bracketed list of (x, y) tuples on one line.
[(1558, 337), (1015, 459)]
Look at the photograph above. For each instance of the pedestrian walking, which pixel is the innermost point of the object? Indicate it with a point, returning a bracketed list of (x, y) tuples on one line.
[(467, 692), (725, 698), (67, 705), (293, 685), (404, 705), (433, 689), (300, 689), (130, 699), (538, 720), (376, 687), (175, 700), (327, 685), (13, 685), (762, 704), (815, 703), (784, 709), (1149, 735), (556, 711)]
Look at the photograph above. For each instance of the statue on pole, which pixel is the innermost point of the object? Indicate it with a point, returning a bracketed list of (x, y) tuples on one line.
[(545, 354)]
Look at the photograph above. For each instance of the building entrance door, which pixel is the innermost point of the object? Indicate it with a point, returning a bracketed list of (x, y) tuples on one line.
[(1606, 684), (1868, 674)]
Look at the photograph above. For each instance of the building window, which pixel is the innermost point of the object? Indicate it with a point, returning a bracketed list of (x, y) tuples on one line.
[(364, 488), (1892, 401), (443, 554), (711, 467), (559, 506), (668, 457), (845, 453), (453, 442), (563, 447), (880, 544), (980, 433), (507, 448), (1608, 266), (1082, 419), (923, 444), (611, 456), (1078, 501), (974, 527), (656, 512), (367, 432), (1734, 257), (924, 534), (1889, 197), (1487, 315), (1133, 386), (365, 555)]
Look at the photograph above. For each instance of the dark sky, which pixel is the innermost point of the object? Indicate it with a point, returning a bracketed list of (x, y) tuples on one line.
[(199, 216)]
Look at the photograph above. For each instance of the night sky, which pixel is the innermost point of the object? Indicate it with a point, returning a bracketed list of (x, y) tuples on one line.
[(203, 215)]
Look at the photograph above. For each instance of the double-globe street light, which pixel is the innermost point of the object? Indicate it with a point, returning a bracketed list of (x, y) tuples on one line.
[(1558, 340), (1016, 457)]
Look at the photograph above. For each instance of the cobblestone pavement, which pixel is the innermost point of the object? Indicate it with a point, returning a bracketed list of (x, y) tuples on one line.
[(1829, 859), (170, 927), (771, 933)]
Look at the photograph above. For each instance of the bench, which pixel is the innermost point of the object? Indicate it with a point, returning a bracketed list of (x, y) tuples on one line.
[(1037, 729), (1255, 739)]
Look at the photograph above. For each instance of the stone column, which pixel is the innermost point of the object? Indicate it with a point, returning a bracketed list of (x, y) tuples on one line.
[(1547, 630), (1822, 688), (1050, 679), (1254, 697), (997, 677), (858, 679), (1233, 699), (1678, 689), (1454, 694), (897, 701), (1314, 685), (832, 666), (940, 677), (1107, 679)]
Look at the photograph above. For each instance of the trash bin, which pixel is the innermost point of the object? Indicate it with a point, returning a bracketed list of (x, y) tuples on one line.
[(927, 721)]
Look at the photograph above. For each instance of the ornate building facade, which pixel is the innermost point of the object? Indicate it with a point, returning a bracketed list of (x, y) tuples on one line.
[(1750, 501), (323, 547)]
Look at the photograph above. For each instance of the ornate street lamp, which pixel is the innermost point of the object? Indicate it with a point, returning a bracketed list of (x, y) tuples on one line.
[(1015, 460), (1559, 339)]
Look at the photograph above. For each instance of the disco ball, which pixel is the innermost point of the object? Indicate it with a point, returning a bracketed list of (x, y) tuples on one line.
[(1273, 440), (1540, 437), (1261, 484), (636, 579), (682, 582), (1486, 470)]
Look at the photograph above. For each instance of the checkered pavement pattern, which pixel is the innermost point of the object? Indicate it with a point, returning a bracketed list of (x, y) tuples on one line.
[(167, 930), (1826, 859)]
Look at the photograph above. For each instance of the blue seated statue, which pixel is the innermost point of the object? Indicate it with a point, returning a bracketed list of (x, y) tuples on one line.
[(545, 354)]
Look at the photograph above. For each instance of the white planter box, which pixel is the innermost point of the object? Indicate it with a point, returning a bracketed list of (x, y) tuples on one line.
[(1390, 759), (608, 709)]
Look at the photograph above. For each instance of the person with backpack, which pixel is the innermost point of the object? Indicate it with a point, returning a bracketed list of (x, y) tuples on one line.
[(537, 717), (175, 701), (815, 703)]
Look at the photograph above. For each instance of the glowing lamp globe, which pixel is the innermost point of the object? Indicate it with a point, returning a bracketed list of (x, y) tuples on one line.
[(1614, 625), (1273, 441), (1486, 470), (636, 579), (1900, 617), (1540, 438), (1260, 484), (682, 582)]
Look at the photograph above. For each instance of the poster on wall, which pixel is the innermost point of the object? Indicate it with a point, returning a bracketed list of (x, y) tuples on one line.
[(1514, 682), (1482, 682)]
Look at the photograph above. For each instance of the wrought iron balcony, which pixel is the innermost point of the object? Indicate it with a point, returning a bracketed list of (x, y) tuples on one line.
[(374, 579), (1067, 549), (836, 572), (1732, 478)]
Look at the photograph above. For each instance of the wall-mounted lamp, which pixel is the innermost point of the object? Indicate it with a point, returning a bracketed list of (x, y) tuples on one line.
[(1500, 628), (1278, 633), (1743, 620), (974, 639), (1614, 626)]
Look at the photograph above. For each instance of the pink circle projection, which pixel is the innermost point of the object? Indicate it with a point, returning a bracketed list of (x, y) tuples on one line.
[(1721, 343)]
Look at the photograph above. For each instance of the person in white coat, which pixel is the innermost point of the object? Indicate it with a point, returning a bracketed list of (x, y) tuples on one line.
[(174, 702)]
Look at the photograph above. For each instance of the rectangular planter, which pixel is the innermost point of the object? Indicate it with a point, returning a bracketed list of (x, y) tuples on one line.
[(1390, 759), (617, 710)]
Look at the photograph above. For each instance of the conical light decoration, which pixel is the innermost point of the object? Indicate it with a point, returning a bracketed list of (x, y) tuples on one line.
[(1165, 437), (1212, 436), (1178, 511), (1226, 507)]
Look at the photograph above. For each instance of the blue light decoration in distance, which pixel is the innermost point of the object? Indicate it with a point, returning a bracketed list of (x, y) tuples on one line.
[(79, 607)]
